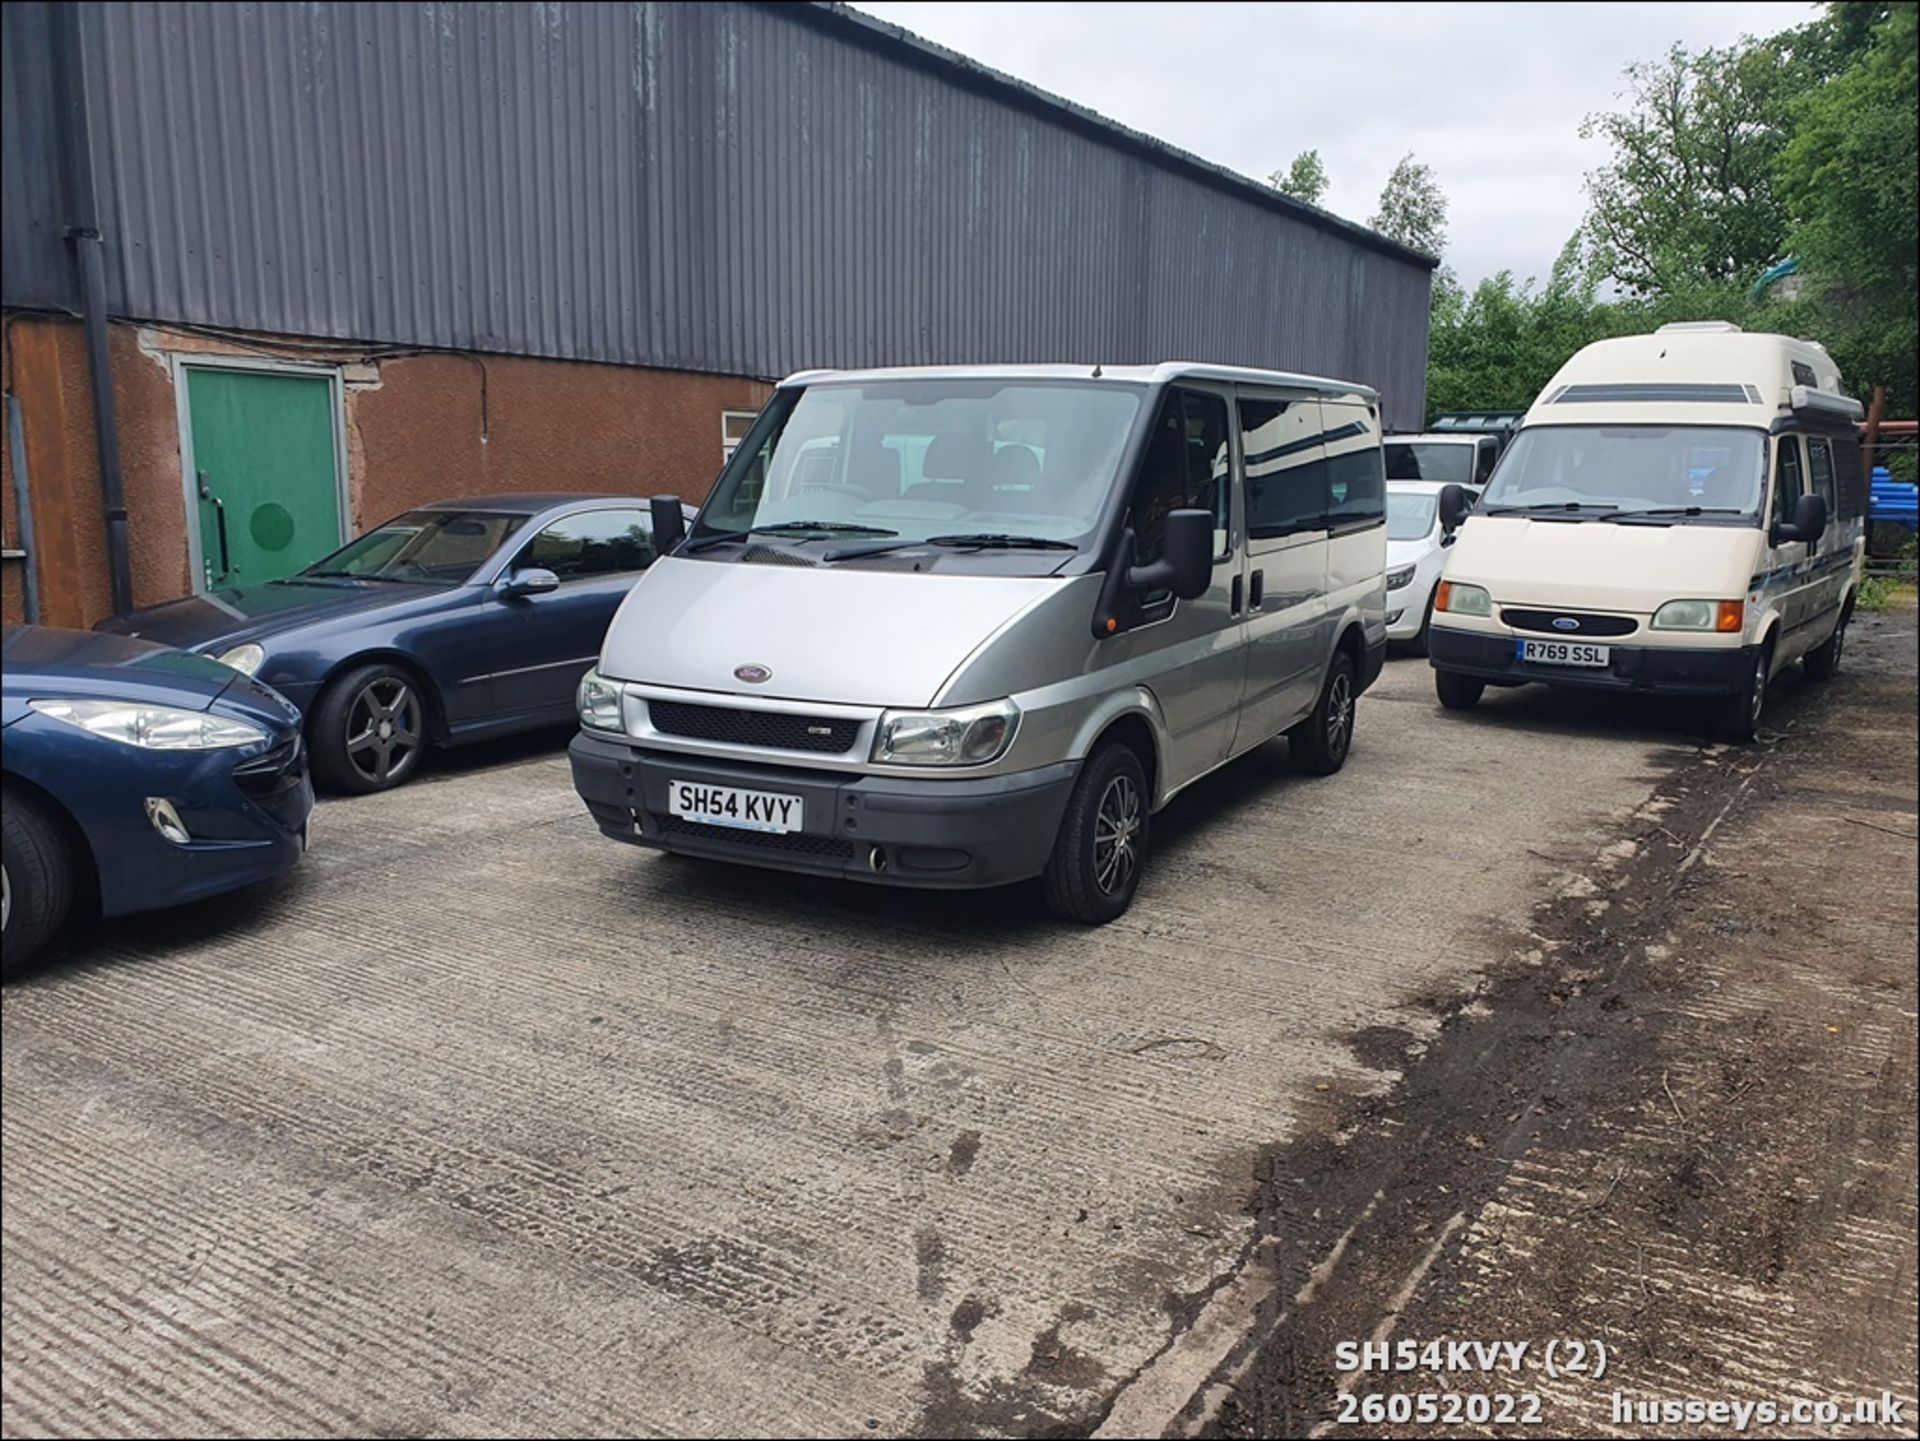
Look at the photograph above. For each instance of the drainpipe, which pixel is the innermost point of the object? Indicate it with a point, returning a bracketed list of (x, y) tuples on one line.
[(83, 230)]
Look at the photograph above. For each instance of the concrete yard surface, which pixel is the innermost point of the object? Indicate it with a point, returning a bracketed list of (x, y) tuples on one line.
[(482, 1123)]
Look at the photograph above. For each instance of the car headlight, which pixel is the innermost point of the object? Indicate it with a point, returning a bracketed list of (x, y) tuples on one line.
[(152, 727), (1728, 617), (598, 701), (243, 658), (1397, 579), (1457, 599), (969, 736)]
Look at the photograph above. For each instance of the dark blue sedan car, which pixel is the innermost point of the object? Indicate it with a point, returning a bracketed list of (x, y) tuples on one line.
[(459, 621), (136, 777)]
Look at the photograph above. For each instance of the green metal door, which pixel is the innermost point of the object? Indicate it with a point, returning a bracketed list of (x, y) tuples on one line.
[(264, 478)]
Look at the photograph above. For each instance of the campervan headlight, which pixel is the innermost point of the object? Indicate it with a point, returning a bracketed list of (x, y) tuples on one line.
[(598, 701), (1727, 617), (1457, 599), (968, 736)]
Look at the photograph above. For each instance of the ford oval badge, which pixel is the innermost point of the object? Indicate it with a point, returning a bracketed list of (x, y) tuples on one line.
[(752, 674), (1560, 622)]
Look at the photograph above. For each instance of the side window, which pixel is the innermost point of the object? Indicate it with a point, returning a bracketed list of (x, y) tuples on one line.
[(1788, 486), (1356, 471), (1286, 466), (1186, 467), (1486, 452), (595, 542), (1848, 482), (1820, 467)]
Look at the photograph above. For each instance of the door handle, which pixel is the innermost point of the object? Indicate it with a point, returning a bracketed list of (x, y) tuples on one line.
[(220, 521), (1233, 597), (1257, 591)]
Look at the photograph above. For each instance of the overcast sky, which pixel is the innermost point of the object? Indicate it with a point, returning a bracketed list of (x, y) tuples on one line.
[(1490, 95)]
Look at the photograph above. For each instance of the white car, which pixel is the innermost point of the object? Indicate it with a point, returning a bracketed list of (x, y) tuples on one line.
[(1414, 557)]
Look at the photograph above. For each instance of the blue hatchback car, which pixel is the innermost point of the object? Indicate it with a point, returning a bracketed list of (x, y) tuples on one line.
[(136, 777), (460, 621)]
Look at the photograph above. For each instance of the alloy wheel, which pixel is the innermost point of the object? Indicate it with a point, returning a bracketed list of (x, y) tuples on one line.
[(6, 896), (383, 728), (1339, 713), (1116, 830), (1758, 700)]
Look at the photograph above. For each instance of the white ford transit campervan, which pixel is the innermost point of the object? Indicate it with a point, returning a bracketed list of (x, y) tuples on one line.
[(1680, 513), (958, 627)]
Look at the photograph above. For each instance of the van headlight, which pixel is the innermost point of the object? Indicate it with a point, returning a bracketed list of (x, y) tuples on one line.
[(1727, 617), (969, 736), (244, 658), (598, 701), (152, 727), (1401, 578), (1457, 599)]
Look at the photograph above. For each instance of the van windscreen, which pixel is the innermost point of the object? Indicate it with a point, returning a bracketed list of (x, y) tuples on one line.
[(918, 459), (1679, 472)]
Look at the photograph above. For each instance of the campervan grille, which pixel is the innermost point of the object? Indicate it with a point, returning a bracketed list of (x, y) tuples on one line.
[(773, 730), (1584, 625), (792, 842)]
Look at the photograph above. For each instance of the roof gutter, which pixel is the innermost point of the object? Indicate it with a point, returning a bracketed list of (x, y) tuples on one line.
[(83, 231)]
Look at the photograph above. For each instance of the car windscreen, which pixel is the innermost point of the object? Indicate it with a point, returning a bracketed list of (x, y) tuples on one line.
[(1410, 513), (436, 546), (1676, 471), (909, 461), (1438, 460)]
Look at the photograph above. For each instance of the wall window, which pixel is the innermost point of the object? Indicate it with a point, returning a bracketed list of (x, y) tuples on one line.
[(595, 542), (1185, 468), (1356, 476), (1286, 466), (1788, 485), (734, 425)]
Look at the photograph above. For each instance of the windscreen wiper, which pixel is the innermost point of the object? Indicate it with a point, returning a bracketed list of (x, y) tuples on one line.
[(1001, 542), (1562, 510), (838, 527), (354, 575), (1659, 510)]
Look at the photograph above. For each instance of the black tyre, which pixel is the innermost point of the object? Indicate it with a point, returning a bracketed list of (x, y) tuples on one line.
[(1740, 712), (369, 730), (36, 881), (1823, 661), (1102, 844), (1456, 691), (1319, 744)]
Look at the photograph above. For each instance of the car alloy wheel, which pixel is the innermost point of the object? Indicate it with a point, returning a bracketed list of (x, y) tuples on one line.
[(1115, 828), (1339, 713), (1757, 700), (383, 729)]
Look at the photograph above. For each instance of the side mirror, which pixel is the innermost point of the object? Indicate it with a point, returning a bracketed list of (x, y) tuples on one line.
[(1186, 564), (532, 581), (669, 523), (1809, 522), (1455, 503)]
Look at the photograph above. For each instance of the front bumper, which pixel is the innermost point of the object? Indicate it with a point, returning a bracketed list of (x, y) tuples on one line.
[(954, 834), (1662, 670)]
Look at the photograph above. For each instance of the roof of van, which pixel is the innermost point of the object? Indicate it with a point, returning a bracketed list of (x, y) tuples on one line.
[(1694, 373), (1166, 370)]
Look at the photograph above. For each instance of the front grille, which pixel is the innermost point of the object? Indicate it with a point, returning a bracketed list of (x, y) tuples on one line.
[(1587, 625), (794, 842), (279, 769), (772, 730)]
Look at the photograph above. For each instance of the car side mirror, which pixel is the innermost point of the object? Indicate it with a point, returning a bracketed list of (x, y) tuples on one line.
[(669, 523), (1809, 522), (532, 581), (1185, 566), (1455, 504)]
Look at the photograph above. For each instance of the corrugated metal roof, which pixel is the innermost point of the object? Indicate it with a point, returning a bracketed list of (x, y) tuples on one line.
[(751, 189)]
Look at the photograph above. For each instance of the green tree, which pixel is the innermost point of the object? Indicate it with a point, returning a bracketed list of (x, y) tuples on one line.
[(1305, 179), (1848, 178), (1413, 208)]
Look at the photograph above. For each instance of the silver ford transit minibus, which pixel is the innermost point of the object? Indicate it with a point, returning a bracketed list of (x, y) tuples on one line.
[(957, 627)]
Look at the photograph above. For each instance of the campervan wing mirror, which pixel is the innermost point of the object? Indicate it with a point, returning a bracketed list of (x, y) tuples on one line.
[(1454, 505), (1186, 565), (669, 523), (1809, 522)]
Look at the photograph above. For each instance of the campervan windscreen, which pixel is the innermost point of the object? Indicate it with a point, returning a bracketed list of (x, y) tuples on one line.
[(1674, 472), (927, 460)]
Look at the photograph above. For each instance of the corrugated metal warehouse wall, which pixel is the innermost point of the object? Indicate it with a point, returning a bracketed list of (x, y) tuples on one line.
[(735, 188)]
